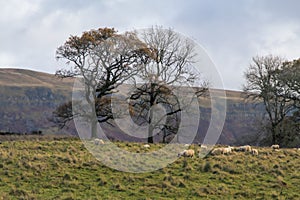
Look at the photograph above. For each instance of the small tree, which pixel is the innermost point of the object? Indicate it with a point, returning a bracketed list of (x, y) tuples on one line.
[(263, 84), (63, 114), (103, 59)]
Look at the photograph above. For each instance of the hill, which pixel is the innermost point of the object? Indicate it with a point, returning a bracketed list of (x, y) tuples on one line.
[(28, 99), (64, 169)]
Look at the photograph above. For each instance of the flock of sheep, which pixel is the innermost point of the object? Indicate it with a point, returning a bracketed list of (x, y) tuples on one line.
[(203, 148), (223, 150)]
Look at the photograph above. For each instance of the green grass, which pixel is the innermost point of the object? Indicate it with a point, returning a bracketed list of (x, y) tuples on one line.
[(64, 169)]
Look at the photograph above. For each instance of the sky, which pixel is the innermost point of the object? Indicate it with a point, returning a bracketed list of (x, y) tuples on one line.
[(231, 31)]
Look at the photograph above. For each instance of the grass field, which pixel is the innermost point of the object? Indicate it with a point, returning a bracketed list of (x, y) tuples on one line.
[(64, 169)]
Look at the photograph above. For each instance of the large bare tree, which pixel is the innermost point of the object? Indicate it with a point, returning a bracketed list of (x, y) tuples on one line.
[(103, 59), (167, 65)]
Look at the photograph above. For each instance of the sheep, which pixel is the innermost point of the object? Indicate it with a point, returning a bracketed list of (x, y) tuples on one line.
[(226, 150), (232, 148), (146, 146), (244, 148), (98, 141), (203, 149), (254, 152), (187, 153), (186, 145), (275, 146), (217, 151)]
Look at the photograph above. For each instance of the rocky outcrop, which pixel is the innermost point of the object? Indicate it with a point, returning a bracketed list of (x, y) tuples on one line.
[(28, 99)]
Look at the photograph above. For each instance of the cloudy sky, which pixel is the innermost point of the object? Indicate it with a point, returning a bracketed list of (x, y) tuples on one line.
[(231, 31)]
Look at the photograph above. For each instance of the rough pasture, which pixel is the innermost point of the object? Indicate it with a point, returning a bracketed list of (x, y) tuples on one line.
[(64, 169)]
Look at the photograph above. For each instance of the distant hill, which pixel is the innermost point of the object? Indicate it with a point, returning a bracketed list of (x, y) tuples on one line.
[(28, 99)]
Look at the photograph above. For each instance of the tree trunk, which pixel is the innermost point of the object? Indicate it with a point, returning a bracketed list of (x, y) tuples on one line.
[(273, 131), (94, 124), (150, 131), (151, 128), (150, 138), (164, 135)]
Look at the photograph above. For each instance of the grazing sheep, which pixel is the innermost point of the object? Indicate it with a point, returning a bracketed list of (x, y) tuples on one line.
[(232, 148), (98, 141), (217, 151), (254, 152), (227, 150), (146, 146), (275, 146), (187, 153), (187, 145), (201, 150), (244, 148)]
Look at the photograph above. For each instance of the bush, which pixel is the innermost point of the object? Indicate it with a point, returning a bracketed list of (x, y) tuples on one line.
[(207, 167)]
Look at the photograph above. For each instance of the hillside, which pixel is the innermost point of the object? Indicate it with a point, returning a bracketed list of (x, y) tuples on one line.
[(64, 169), (28, 99)]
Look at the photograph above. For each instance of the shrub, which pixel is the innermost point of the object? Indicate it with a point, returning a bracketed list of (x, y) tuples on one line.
[(207, 167)]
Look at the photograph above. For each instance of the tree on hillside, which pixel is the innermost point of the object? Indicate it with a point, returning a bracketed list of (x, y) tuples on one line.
[(103, 59), (263, 84), (167, 66), (289, 76)]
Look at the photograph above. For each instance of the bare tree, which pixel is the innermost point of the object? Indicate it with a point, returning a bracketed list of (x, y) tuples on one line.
[(289, 76), (62, 115), (103, 59), (263, 84), (167, 65)]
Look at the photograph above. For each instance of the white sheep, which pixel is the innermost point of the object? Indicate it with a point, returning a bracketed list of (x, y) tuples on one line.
[(204, 147), (275, 146), (232, 148), (244, 148), (186, 145), (217, 151), (254, 152), (146, 145), (187, 153), (98, 141), (226, 150)]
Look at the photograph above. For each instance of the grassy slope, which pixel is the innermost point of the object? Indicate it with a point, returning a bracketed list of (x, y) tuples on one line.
[(29, 78), (64, 169)]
